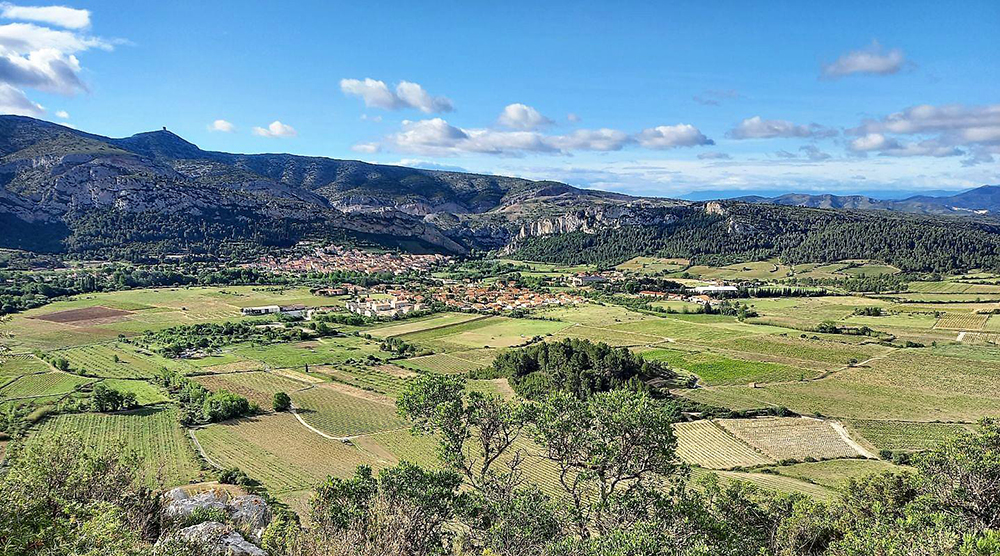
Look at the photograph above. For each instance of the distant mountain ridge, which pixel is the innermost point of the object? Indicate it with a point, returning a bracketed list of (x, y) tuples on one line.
[(982, 201)]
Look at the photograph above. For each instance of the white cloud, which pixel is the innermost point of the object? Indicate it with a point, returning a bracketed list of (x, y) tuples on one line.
[(62, 16), (948, 130), (437, 137), (758, 128), (377, 94), (573, 118), (222, 125), (367, 118), (62, 114), (275, 129), (367, 148), (14, 101), (873, 60), (714, 156), (668, 137), (522, 116), (23, 38)]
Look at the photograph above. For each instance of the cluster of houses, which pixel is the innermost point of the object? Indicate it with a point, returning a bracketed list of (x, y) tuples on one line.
[(499, 297), (702, 294), (336, 258), (390, 307)]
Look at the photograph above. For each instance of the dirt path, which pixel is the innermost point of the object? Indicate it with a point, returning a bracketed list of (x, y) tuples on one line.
[(197, 445), (842, 431)]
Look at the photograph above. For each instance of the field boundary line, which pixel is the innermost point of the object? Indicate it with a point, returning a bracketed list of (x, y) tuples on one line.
[(439, 327), (729, 433), (842, 431), (197, 445)]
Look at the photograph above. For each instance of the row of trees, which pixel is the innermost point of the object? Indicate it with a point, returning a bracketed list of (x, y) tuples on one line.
[(200, 405)]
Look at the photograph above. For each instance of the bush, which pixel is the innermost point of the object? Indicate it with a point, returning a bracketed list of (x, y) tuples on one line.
[(281, 402)]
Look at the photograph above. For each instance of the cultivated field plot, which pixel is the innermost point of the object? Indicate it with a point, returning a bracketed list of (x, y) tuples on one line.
[(608, 336), (490, 332), (145, 392), (47, 384), (834, 474), (332, 410), (88, 314), (167, 455), (402, 445), (705, 444), (593, 314), (278, 451), (769, 481), (375, 379), (323, 351), (693, 331), (805, 352), (257, 387), (954, 287), (114, 362), (790, 437), (445, 363), (417, 325), (903, 436), (652, 265), (17, 365), (993, 324), (716, 369), (959, 321), (761, 270), (981, 338)]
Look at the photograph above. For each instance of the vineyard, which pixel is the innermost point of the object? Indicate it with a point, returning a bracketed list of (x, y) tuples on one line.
[(111, 362), (257, 387), (340, 414), (445, 363), (961, 321), (154, 434), (716, 369), (418, 325), (790, 437), (278, 451), (902, 436), (52, 383), (705, 444)]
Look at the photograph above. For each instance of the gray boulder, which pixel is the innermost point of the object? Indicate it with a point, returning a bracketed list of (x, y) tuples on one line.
[(218, 539), (251, 511), (181, 505)]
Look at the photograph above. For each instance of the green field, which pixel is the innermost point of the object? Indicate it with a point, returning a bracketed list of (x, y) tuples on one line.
[(112, 361), (47, 384), (717, 370), (706, 444), (341, 414), (833, 474), (153, 433), (258, 387), (491, 332), (903, 436)]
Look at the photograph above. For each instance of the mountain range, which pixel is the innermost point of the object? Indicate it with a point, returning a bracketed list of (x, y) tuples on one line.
[(155, 194), (981, 201)]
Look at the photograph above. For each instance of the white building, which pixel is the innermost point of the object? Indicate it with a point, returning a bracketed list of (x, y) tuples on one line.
[(708, 290)]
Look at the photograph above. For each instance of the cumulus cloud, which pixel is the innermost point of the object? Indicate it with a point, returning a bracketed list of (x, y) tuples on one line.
[(62, 16), (41, 57), (275, 129), (437, 137), (714, 156), (62, 114), (949, 130), (522, 116), (711, 97), (221, 125), (14, 101), (367, 148), (873, 60), (758, 128), (377, 94), (668, 137)]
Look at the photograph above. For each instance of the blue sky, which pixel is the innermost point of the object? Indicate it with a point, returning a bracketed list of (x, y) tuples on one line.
[(653, 98)]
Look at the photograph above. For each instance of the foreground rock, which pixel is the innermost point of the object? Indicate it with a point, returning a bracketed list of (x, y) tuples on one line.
[(247, 512), (218, 538)]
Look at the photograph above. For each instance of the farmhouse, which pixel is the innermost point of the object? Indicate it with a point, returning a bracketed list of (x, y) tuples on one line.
[(587, 279), (715, 289), (263, 310)]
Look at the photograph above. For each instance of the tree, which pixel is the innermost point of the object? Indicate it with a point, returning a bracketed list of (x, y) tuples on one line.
[(608, 448), (281, 402), (402, 511), (439, 405)]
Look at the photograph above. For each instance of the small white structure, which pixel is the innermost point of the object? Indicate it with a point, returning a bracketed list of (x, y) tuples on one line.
[(586, 279), (707, 290), (383, 308), (257, 311)]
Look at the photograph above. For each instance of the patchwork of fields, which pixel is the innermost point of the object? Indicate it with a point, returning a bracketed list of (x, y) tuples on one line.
[(890, 397)]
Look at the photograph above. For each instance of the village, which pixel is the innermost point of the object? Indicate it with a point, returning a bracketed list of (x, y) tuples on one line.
[(335, 258)]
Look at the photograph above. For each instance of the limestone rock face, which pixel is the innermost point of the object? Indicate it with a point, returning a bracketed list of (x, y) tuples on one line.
[(219, 539), (181, 505), (252, 511)]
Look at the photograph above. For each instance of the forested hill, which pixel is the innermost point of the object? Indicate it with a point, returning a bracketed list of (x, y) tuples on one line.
[(154, 194), (735, 232)]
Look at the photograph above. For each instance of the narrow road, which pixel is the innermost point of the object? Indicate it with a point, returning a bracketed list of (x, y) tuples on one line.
[(842, 431), (201, 450)]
